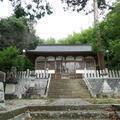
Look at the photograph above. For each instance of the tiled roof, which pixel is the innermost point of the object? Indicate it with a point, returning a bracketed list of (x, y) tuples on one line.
[(63, 48)]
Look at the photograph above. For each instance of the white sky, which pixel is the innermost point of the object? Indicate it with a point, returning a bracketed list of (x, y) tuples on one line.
[(58, 25)]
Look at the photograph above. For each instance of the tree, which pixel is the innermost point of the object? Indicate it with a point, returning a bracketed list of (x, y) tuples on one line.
[(78, 5), (109, 29), (11, 57), (39, 8), (50, 41), (31, 9), (114, 54), (86, 36), (16, 32)]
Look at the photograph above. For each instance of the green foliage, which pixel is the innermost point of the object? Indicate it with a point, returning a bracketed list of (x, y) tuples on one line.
[(31, 9), (50, 41), (110, 27), (39, 8), (85, 37), (10, 57), (78, 5), (6, 57), (19, 12), (16, 32), (110, 34), (114, 47)]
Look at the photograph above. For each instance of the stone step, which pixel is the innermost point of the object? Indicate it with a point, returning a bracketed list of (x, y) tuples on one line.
[(70, 119), (68, 96), (67, 88), (67, 92), (92, 107), (70, 115), (62, 112)]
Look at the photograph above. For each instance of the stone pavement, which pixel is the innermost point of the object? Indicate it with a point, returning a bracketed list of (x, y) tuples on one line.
[(67, 101), (11, 104)]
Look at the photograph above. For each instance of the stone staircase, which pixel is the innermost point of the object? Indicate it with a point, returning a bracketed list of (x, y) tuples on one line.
[(83, 112), (68, 88)]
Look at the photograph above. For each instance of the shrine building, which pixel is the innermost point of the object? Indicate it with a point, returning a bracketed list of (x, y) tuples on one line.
[(63, 59)]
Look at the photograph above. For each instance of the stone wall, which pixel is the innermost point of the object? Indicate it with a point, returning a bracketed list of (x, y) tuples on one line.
[(30, 88), (103, 82), (105, 87)]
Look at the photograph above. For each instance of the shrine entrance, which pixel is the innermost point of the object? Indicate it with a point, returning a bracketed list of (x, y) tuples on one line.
[(65, 67)]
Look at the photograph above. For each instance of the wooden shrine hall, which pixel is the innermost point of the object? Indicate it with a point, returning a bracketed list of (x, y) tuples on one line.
[(63, 59)]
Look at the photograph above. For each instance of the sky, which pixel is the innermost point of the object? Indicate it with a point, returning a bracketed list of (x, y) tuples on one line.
[(58, 25), (61, 24)]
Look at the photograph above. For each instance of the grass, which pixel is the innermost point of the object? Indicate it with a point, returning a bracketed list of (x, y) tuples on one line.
[(104, 100)]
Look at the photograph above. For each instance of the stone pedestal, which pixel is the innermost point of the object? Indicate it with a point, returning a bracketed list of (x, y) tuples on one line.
[(2, 98), (10, 91)]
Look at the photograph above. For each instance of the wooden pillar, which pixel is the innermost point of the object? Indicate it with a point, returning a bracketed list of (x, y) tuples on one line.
[(85, 67), (55, 68), (45, 63), (55, 64), (60, 67), (35, 63), (94, 63), (101, 61), (75, 66)]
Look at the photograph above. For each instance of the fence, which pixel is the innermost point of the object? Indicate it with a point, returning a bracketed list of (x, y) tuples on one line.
[(36, 74), (98, 74)]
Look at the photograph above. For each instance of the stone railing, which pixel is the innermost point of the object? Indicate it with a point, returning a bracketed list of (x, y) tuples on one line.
[(47, 88), (89, 86), (37, 74), (102, 74)]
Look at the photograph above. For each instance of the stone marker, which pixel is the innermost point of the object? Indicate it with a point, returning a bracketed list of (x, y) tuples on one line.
[(2, 98), (2, 80), (11, 82), (2, 76), (1, 92)]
